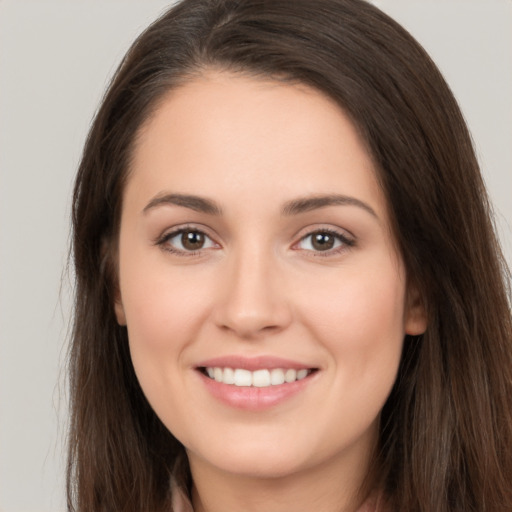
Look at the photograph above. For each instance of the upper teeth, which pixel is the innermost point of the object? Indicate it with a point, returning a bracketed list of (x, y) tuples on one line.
[(258, 378)]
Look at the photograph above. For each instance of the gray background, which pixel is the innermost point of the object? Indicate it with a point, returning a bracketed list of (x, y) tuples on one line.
[(55, 59)]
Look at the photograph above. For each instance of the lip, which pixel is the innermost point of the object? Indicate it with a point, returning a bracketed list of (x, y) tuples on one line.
[(254, 398), (253, 363)]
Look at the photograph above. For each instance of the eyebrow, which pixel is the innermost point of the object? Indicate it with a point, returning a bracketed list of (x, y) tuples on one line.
[(196, 203), (307, 204), (293, 207)]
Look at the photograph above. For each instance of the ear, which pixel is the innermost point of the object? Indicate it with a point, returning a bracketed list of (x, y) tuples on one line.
[(110, 273), (415, 320), (119, 310)]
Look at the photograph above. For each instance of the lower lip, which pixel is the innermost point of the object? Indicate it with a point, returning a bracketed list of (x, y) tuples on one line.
[(252, 398)]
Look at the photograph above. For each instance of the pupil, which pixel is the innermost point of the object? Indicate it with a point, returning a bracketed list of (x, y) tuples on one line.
[(323, 241), (192, 240)]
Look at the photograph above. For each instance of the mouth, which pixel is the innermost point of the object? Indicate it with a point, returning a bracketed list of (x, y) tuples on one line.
[(260, 378), (255, 383)]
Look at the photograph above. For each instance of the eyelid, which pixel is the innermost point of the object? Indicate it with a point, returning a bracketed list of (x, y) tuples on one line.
[(346, 238), (170, 233)]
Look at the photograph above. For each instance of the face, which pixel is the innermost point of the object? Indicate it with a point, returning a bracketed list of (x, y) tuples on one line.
[(265, 301)]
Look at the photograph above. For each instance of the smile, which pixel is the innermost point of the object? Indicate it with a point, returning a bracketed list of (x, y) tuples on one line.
[(260, 378), (255, 383)]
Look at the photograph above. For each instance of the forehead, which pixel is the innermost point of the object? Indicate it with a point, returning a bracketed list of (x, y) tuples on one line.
[(251, 133)]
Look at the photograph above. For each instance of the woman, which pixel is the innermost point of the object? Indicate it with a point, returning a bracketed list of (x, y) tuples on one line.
[(289, 292)]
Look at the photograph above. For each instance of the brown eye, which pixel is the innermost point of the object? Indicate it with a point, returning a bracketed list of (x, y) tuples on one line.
[(192, 240), (186, 241), (322, 241), (325, 241)]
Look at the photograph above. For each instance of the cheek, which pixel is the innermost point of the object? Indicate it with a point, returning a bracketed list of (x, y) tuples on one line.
[(164, 313), (360, 323), (161, 305), (361, 303)]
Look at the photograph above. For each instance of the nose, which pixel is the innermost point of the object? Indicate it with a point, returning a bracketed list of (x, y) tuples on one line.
[(253, 299)]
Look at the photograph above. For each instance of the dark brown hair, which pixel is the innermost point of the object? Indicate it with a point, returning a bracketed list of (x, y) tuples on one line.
[(446, 429)]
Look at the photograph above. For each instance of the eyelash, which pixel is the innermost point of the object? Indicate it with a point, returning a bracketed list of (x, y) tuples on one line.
[(164, 239), (346, 242)]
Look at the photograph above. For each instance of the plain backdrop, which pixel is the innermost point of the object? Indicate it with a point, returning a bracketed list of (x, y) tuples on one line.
[(55, 60)]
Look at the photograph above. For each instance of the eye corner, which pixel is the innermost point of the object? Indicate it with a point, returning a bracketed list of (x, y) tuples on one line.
[(186, 240), (328, 242)]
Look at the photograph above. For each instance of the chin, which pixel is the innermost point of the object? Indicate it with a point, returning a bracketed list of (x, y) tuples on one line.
[(263, 459)]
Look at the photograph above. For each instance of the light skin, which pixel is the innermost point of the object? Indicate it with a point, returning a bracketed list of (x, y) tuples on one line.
[(289, 254)]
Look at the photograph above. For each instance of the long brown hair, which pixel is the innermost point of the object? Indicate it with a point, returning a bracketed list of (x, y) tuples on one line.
[(446, 429)]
